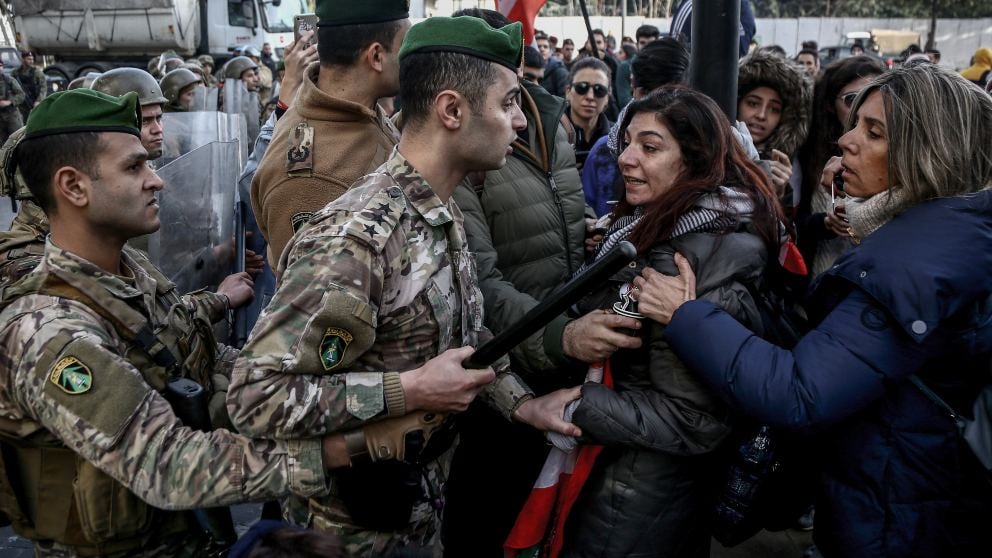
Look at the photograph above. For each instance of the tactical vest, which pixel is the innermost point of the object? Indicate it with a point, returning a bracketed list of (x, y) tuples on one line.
[(50, 493)]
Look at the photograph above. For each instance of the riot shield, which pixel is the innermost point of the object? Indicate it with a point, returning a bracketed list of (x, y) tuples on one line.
[(6, 213), (199, 103), (238, 100), (195, 246), (185, 131)]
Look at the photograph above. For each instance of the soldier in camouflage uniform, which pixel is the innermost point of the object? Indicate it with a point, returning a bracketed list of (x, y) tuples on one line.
[(11, 98), (93, 455), (32, 81), (378, 303)]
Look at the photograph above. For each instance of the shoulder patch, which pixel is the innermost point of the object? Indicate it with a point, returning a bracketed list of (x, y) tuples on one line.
[(300, 155), (71, 376), (300, 219), (333, 346), (371, 219)]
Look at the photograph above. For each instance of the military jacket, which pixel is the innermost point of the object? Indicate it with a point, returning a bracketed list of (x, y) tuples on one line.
[(33, 82), (68, 378), (320, 148), (10, 90)]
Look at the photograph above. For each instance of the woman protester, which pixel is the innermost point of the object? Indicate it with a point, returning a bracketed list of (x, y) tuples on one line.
[(586, 96), (820, 223), (689, 187), (913, 298)]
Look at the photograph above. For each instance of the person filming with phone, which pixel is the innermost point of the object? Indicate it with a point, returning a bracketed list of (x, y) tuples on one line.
[(900, 320)]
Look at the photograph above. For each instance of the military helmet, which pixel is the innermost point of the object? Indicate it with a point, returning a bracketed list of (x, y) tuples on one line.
[(237, 66), (11, 181), (174, 82), (206, 59), (84, 82), (119, 81), (249, 51)]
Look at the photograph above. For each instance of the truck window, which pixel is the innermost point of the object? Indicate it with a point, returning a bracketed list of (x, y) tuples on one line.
[(241, 13), (279, 19)]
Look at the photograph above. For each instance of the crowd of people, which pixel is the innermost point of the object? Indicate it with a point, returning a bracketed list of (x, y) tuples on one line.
[(416, 190)]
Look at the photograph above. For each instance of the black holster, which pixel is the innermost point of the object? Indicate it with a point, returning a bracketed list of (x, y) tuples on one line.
[(380, 496)]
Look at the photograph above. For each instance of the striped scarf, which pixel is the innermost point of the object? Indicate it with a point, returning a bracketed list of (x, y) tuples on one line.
[(718, 212)]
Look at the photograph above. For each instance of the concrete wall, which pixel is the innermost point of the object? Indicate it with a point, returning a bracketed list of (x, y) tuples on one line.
[(957, 39)]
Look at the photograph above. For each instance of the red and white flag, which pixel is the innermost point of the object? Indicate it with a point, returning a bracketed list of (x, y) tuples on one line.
[(538, 531), (523, 11)]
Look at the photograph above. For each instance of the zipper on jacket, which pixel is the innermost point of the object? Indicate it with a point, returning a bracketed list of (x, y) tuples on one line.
[(564, 223)]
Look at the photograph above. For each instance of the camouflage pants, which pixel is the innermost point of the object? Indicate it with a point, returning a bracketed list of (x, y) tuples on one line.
[(421, 536)]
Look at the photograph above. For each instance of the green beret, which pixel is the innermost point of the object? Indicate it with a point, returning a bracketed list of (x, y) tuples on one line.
[(331, 13), (84, 110), (466, 35)]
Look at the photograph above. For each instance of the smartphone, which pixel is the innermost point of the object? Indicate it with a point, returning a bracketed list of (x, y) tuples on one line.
[(837, 185), (303, 23)]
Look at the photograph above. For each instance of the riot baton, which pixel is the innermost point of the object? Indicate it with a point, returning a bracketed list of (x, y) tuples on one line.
[(585, 17), (559, 301), (239, 333)]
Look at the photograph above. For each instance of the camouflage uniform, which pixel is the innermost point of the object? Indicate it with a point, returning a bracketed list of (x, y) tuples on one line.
[(69, 378), (35, 87), (379, 282), (10, 116)]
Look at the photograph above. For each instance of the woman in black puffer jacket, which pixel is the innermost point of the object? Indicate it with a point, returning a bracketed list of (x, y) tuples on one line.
[(689, 188)]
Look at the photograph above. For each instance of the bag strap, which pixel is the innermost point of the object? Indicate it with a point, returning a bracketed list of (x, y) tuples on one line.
[(932, 396)]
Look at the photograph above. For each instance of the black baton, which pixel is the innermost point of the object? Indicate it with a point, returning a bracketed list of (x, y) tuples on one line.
[(552, 307)]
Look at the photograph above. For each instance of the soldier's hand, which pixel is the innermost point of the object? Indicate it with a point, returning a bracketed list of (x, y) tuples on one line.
[(546, 413), (238, 288), (254, 263), (442, 385), (593, 338)]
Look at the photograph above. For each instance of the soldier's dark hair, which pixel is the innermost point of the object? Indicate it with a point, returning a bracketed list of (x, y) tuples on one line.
[(341, 45), (39, 158), (495, 19), (533, 58), (425, 74)]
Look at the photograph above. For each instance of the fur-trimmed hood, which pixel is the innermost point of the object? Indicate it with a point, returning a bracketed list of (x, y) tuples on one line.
[(792, 84)]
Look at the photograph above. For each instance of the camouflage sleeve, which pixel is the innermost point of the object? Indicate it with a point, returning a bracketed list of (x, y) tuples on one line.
[(42, 84), (73, 380), (16, 92), (292, 379), (212, 306), (508, 391)]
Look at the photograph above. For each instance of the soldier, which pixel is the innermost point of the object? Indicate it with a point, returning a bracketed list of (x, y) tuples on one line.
[(119, 81), (93, 454), (242, 68), (264, 73), (207, 62), (179, 87), (334, 132), (11, 97), (32, 81), (377, 306)]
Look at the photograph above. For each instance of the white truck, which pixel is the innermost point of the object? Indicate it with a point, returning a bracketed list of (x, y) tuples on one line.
[(96, 35)]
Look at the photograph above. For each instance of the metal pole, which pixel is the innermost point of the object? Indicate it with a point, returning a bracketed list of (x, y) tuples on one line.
[(592, 40), (715, 44), (623, 20)]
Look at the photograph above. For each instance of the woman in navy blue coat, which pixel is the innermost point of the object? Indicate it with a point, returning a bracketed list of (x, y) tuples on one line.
[(914, 297)]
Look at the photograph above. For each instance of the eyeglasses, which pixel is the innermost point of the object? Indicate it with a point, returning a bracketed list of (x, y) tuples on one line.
[(582, 87), (848, 98)]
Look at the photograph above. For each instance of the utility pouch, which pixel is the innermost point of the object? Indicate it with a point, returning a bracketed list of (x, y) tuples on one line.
[(380, 496)]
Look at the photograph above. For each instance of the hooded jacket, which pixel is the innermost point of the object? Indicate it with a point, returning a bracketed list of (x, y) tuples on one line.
[(762, 69), (978, 72)]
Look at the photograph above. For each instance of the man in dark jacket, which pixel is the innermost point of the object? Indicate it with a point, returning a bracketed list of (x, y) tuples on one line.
[(32, 81), (526, 226)]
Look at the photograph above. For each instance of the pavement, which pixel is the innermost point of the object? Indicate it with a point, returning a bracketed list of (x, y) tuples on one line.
[(783, 544)]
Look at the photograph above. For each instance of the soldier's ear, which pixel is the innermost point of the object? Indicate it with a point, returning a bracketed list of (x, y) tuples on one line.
[(449, 109), (72, 185), (375, 55)]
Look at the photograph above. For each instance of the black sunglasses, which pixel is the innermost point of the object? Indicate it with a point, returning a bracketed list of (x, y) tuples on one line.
[(848, 98), (582, 87)]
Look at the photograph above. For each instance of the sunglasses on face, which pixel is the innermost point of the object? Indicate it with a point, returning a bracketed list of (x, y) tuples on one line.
[(848, 98), (582, 87)]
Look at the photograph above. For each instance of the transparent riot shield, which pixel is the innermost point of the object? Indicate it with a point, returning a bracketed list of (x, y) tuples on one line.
[(199, 103), (185, 131), (196, 245), (238, 100)]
